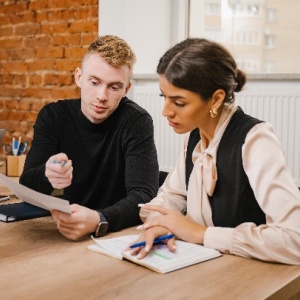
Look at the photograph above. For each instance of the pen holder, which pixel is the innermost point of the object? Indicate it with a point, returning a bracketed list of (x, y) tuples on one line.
[(15, 165)]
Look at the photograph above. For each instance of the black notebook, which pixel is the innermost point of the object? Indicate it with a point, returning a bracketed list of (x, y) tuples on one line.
[(21, 211)]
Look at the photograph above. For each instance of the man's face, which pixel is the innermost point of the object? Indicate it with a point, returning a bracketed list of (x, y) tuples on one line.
[(102, 87)]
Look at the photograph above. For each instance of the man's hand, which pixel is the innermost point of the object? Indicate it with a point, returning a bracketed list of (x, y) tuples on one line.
[(80, 222), (58, 173)]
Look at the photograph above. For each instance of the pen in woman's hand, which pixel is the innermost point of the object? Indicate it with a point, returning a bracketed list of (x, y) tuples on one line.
[(156, 241)]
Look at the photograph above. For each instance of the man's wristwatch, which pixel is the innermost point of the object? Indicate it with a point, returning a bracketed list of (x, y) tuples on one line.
[(102, 226), (101, 229)]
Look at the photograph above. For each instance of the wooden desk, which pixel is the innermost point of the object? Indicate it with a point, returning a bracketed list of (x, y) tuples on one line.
[(39, 263)]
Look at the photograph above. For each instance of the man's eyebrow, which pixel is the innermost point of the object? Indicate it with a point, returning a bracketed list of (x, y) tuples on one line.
[(117, 83), (94, 77), (120, 83)]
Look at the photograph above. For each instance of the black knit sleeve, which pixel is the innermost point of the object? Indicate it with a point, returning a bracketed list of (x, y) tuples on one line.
[(44, 145), (141, 173)]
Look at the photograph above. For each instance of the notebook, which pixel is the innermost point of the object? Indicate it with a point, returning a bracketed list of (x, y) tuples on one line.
[(160, 259), (21, 211)]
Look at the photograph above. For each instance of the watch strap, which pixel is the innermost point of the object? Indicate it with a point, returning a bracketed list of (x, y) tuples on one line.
[(102, 226)]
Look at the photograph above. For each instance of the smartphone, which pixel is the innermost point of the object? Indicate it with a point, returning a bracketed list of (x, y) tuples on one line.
[(4, 197)]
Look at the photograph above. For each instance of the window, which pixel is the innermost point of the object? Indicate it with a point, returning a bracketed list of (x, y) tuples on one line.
[(270, 41), (263, 35), (271, 15)]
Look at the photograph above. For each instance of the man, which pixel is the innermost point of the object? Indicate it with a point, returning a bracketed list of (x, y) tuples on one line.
[(99, 149)]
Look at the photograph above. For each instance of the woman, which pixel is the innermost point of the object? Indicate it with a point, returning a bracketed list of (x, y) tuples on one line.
[(230, 189)]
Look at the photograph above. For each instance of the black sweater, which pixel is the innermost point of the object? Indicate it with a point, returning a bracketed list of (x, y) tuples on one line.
[(114, 163)]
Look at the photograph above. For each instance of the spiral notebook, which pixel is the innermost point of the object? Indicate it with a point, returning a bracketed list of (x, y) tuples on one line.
[(160, 259)]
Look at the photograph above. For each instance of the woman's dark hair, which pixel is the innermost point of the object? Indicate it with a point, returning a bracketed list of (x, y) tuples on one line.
[(202, 66)]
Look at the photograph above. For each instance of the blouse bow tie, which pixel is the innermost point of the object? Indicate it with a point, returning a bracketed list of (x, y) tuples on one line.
[(209, 173)]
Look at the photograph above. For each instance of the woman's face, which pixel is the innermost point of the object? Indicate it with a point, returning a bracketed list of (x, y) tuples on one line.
[(185, 110)]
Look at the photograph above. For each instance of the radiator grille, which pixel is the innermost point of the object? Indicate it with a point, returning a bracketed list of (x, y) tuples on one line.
[(280, 107)]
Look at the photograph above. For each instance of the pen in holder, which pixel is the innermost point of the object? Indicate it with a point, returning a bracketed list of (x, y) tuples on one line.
[(15, 165)]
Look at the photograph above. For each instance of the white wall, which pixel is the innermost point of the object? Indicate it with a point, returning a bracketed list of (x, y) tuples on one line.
[(153, 26), (149, 26)]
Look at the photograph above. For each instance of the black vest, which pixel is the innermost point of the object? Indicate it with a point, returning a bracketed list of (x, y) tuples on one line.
[(233, 201)]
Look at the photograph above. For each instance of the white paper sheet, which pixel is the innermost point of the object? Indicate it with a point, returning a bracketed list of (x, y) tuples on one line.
[(35, 198)]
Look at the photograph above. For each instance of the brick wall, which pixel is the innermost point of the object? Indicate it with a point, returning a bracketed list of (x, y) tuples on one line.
[(41, 44)]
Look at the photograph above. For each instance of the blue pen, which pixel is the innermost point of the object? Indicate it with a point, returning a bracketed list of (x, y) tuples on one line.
[(156, 241), (15, 146), (55, 161)]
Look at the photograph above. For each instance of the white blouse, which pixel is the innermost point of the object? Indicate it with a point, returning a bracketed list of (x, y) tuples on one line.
[(274, 188)]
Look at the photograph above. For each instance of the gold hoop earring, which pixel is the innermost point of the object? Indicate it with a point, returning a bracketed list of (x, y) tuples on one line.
[(213, 112)]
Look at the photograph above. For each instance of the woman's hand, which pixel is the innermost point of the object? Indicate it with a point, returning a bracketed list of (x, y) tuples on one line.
[(175, 222), (149, 236)]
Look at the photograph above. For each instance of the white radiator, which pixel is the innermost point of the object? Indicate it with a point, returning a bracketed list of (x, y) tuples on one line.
[(277, 104)]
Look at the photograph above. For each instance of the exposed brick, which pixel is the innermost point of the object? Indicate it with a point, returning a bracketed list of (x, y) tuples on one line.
[(23, 126), (4, 115), (36, 105), (54, 28), (58, 79), (29, 29), (66, 39), (12, 42), (60, 4), (41, 44), (80, 2), (30, 116), (20, 80), (75, 52), (55, 15), (37, 93), (29, 17), (53, 52), (65, 93), (69, 14), (11, 104), (86, 12), (82, 26), (38, 65), (4, 19), (21, 53), (67, 64), (39, 41), (38, 5), (6, 31), (15, 115), (4, 55), (14, 8), (12, 92), (24, 105), (42, 16), (88, 38), (35, 79), (14, 66), (15, 19)]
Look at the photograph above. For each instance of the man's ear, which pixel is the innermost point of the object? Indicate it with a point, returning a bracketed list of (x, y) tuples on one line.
[(127, 88), (218, 98), (78, 74)]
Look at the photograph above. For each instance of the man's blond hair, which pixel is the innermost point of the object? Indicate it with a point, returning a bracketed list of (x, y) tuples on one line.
[(114, 50)]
